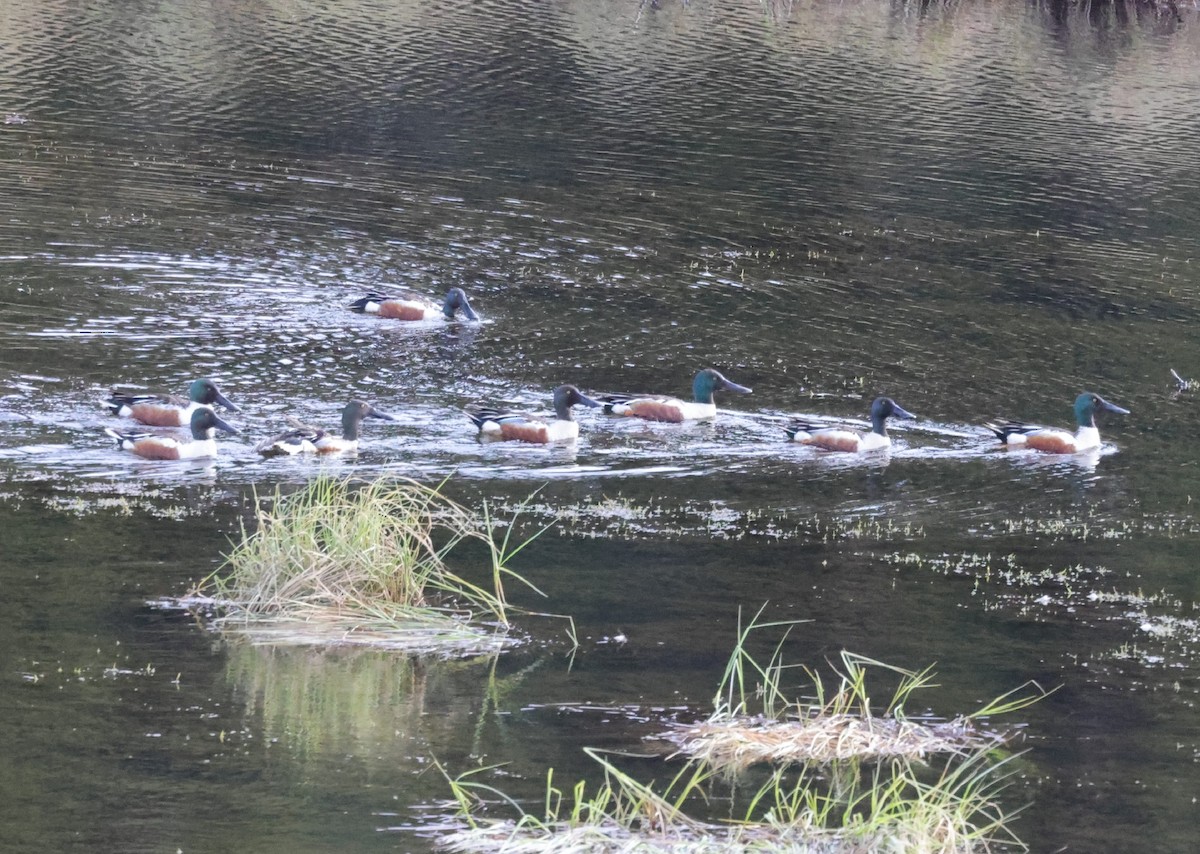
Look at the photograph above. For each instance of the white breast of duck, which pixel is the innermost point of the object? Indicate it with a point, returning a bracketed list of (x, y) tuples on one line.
[(561, 431), (329, 444), (196, 450), (1087, 438), (873, 442)]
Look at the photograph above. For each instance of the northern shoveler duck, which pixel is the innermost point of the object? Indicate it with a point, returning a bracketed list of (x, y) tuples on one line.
[(204, 425), (671, 409), (302, 439), (1056, 441), (410, 306), (169, 410), (500, 425), (831, 438)]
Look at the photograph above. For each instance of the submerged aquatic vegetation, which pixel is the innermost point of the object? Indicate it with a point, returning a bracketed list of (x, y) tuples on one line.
[(364, 563), (626, 519), (820, 802), (1067, 527), (1002, 571), (124, 498), (1162, 629)]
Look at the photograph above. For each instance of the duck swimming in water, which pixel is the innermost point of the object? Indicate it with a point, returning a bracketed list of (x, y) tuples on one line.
[(151, 446), (651, 407), (831, 438), (1052, 440), (498, 424), (302, 439), (411, 306), (169, 410)]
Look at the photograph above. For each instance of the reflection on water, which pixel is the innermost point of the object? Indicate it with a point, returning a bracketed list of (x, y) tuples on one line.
[(977, 209), (380, 707)]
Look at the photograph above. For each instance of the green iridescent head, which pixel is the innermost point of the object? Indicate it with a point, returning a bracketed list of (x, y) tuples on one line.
[(204, 422), (207, 393), (709, 381), (1087, 404)]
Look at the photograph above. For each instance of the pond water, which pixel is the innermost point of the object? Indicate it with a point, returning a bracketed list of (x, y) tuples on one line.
[(980, 209)]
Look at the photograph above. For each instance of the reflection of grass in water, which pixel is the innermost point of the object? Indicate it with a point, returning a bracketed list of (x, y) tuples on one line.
[(345, 563), (319, 700), (810, 801), (373, 701)]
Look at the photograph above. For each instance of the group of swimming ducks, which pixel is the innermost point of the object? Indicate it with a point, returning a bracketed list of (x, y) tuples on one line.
[(197, 411)]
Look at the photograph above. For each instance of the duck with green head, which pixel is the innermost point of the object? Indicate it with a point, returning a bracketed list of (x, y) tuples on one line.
[(503, 425), (833, 438), (302, 439), (651, 407), (169, 410), (413, 306), (151, 446), (1053, 440)]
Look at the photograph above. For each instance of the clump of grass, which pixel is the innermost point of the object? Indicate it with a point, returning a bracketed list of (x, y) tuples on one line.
[(340, 562), (756, 721), (892, 809), (819, 795)]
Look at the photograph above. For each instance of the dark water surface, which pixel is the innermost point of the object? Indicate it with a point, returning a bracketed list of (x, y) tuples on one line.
[(980, 209)]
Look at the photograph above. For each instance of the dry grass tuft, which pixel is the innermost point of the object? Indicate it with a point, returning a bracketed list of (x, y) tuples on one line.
[(738, 742), (757, 722)]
